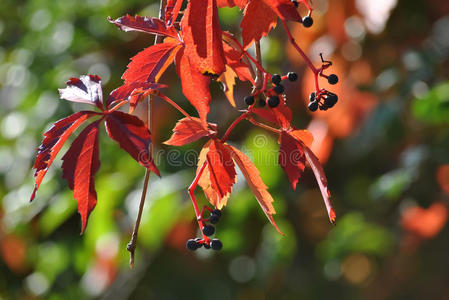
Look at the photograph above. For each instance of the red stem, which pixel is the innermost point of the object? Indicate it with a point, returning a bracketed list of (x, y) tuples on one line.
[(173, 103), (236, 121), (191, 191)]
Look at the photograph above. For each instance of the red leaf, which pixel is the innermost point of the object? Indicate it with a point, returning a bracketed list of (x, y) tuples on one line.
[(172, 10), (260, 16), (227, 79), (54, 138), (291, 158), (231, 3), (281, 115), (304, 136), (202, 37), (128, 90), (256, 184), (133, 136), (322, 181), (195, 85), (258, 19), (219, 176), (86, 89), (79, 167), (144, 24), (186, 131), (149, 64), (234, 60)]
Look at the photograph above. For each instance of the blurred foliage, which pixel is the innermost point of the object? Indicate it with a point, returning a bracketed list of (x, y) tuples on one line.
[(386, 148)]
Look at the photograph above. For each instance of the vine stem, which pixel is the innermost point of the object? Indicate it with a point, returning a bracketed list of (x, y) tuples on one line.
[(231, 127), (131, 247)]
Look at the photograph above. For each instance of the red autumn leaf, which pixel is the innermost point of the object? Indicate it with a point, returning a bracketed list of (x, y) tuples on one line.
[(202, 37), (302, 135), (133, 136), (144, 24), (86, 89), (149, 64), (53, 141), (234, 60), (227, 79), (205, 180), (291, 158), (321, 179), (186, 131), (128, 90), (266, 13), (258, 19), (231, 3), (172, 10), (219, 176), (195, 85), (80, 164), (280, 115), (252, 176)]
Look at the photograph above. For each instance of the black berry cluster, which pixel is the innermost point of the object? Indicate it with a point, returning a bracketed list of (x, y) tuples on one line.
[(208, 230), (323, 101)]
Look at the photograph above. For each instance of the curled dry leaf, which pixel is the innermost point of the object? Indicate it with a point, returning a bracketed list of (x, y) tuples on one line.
[(86, 89)]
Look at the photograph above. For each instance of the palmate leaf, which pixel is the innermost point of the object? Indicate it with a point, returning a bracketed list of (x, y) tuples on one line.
[(80, 163), (172, 10)]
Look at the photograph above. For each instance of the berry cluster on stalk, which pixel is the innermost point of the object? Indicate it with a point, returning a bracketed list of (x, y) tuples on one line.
[(207, 231), (323, 99)]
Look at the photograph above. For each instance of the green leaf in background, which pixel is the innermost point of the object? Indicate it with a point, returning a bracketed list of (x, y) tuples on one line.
[(433, 107)]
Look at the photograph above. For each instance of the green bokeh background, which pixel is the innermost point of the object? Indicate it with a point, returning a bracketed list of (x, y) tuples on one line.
[(386, 165)]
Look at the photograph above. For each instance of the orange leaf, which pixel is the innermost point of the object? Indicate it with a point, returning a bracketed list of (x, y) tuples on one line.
[(291, 158), (256, 184), (186, 131), (227, 78), (258, 19), (302, 135), (234, 60), (202, 37)]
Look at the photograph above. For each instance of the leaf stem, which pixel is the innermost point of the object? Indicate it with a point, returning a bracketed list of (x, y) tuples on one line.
[(264, 126), (231, 127), (173, 103)]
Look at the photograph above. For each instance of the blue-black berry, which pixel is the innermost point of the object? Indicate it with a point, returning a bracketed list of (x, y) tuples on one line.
[(332, 79), (307, 21), (214, 218), (276, 79), (295, 3), (278, 89), (217, 212), (312, 97), (292, 76), (249, 100), (207, 246), (192, 245), (216, 244), (313, 106), (273, 101), (208, 230), (331, 100)]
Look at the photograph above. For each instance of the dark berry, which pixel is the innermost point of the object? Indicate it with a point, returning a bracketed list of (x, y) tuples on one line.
[(313, 106), (307, 21), (276, 78), (332, 79), (249, 100), (273, 101), (292, 76), (198, 244), (331, 100), (312, 97), (278, 89), (216, 244), (217, 212), (192, 245), (208, 230), (214, 218), (262, 102), (207, 246), (324, 107), (295, 3)]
